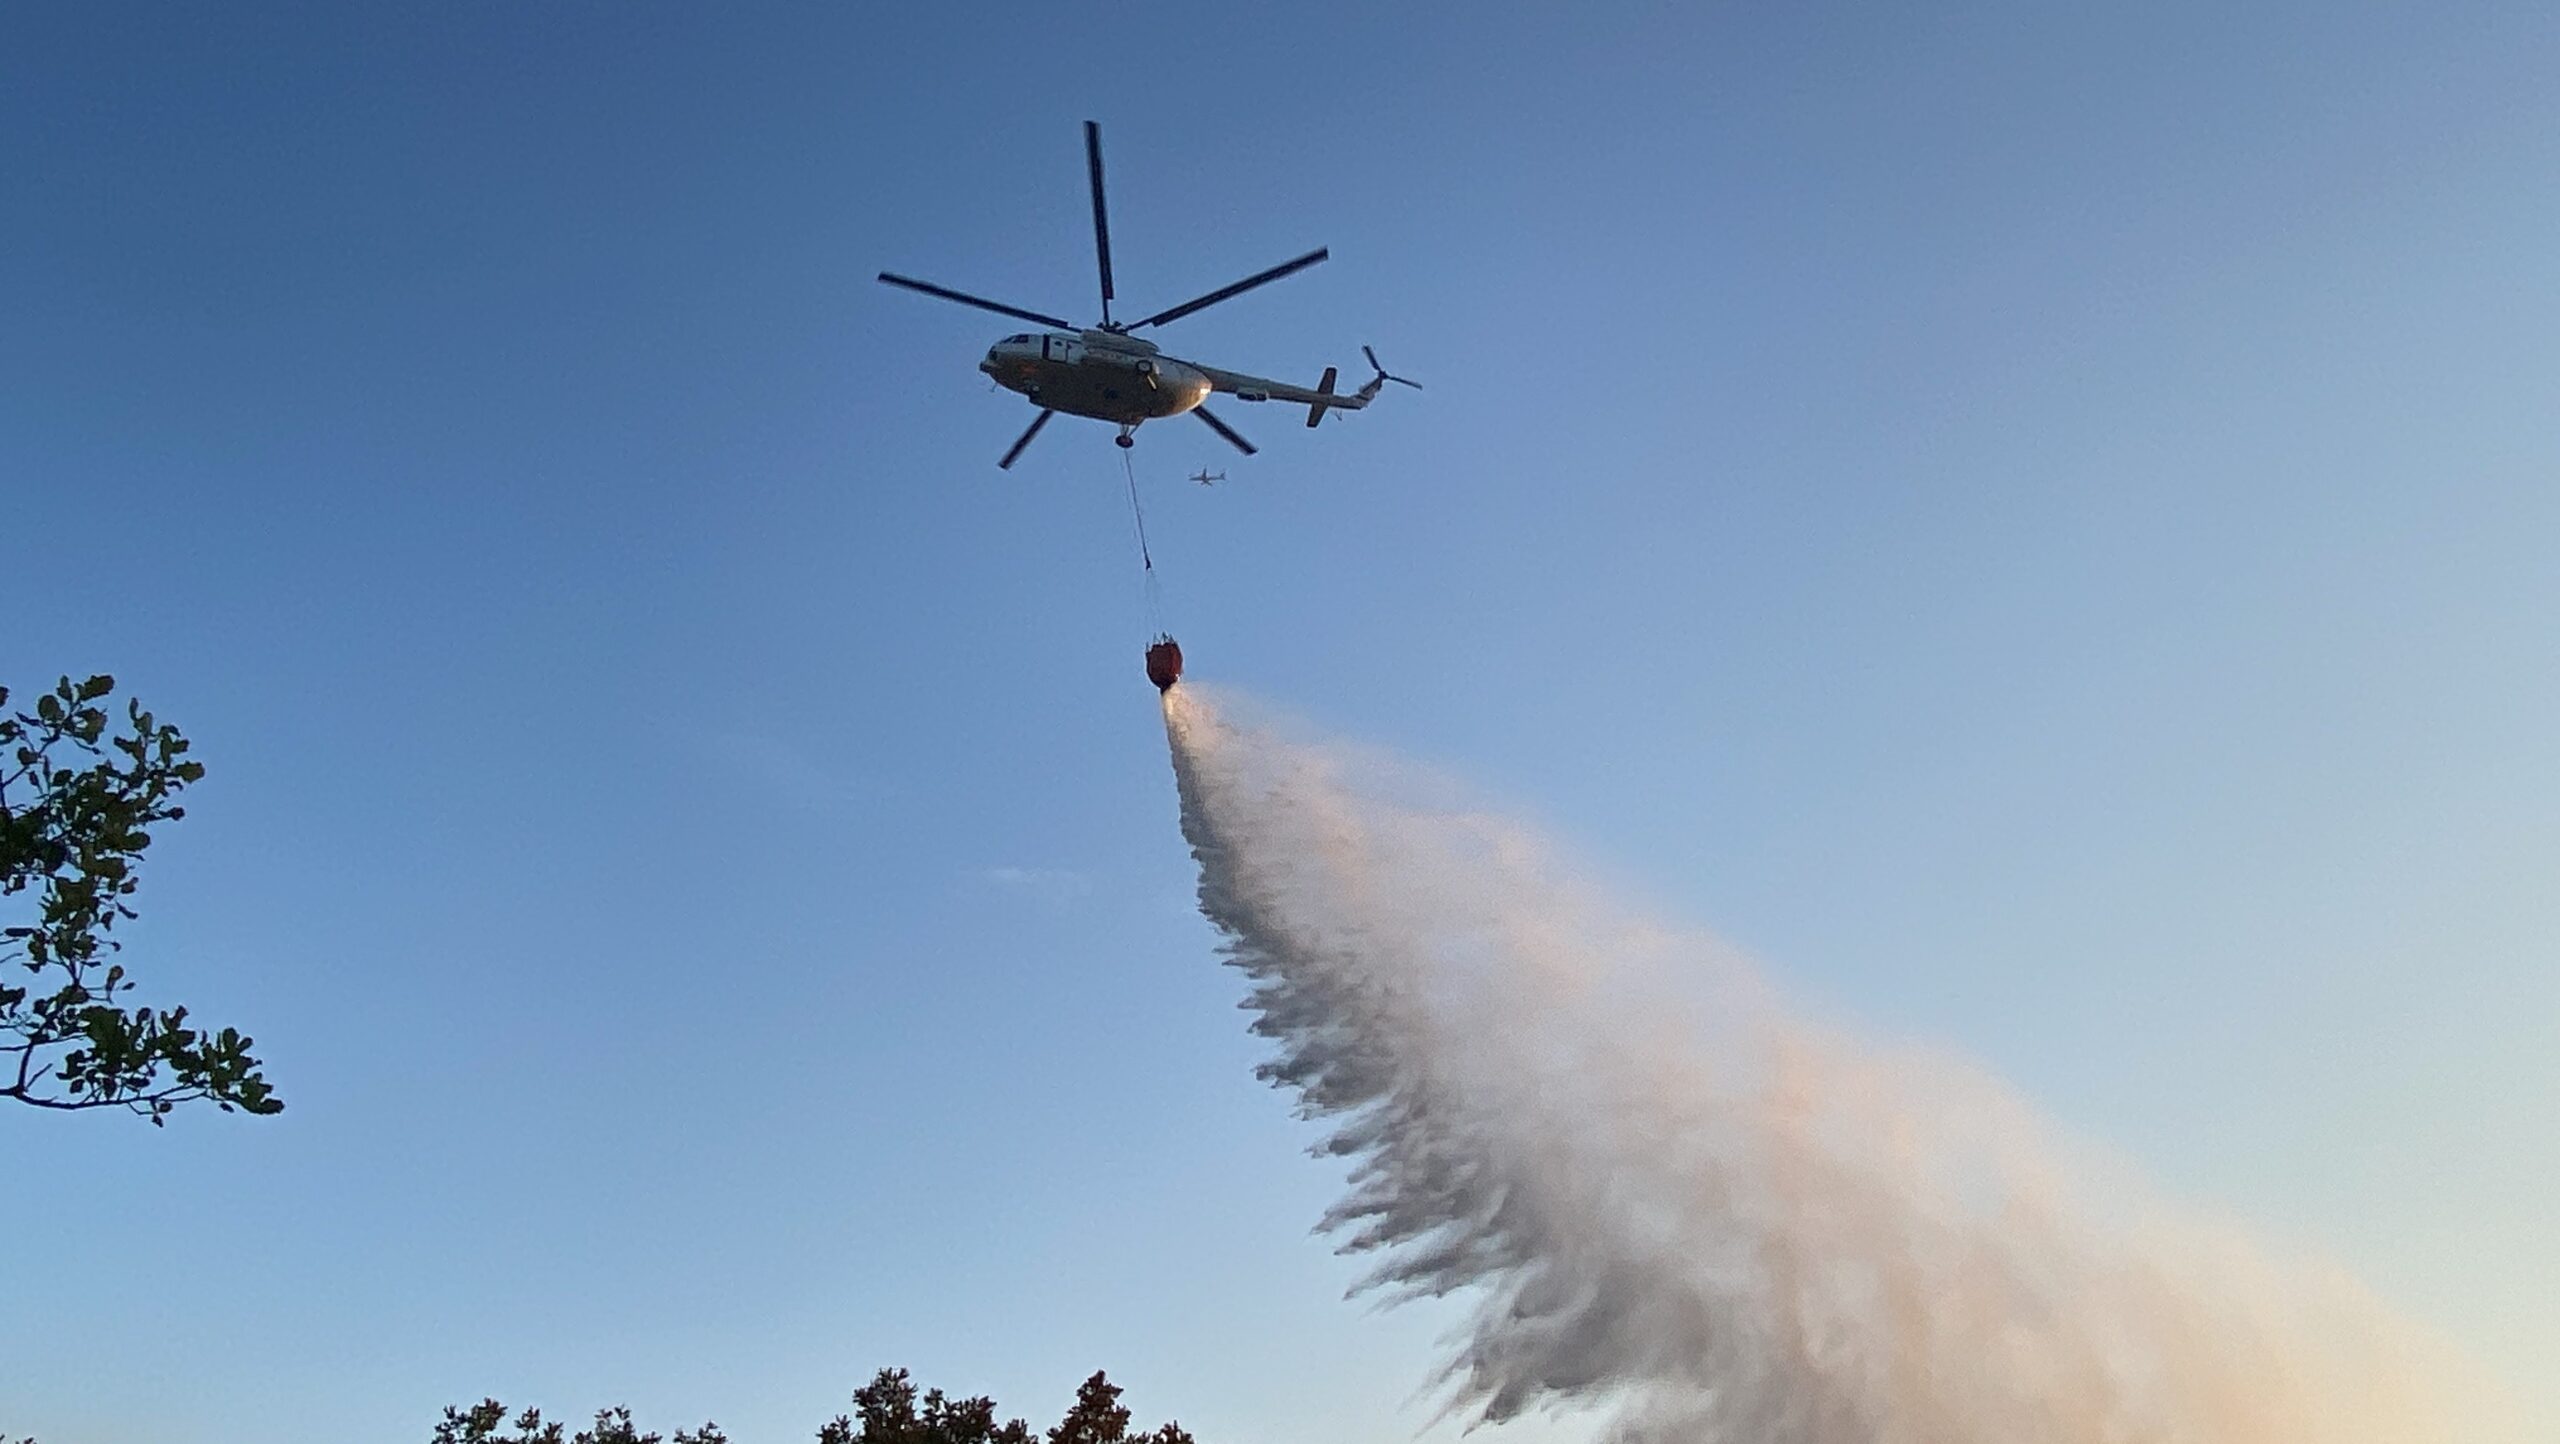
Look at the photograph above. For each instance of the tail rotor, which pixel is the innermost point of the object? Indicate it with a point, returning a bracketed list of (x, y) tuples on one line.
[(1382, 371), (1369, 391)]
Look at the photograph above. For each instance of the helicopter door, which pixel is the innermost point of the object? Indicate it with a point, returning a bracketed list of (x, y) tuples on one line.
[(1061, 348)]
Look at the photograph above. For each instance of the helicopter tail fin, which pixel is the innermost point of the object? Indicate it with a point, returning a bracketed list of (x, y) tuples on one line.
[(1324, 398)]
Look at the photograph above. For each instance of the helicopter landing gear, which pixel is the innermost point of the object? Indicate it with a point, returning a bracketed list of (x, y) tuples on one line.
[(1124, 440)]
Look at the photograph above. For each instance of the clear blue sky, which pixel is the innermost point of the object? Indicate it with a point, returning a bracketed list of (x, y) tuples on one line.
[(2037, 521)]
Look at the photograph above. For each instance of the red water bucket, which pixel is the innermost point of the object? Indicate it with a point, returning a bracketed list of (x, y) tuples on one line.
[(1164, 663)]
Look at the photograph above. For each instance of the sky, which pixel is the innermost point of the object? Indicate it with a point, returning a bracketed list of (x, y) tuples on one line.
[(2034, 521)]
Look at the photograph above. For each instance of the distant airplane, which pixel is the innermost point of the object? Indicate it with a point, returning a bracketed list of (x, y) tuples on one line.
[(1204, 476)]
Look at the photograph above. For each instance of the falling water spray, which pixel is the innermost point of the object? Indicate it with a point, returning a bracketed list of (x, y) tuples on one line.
[(1675, 1201)]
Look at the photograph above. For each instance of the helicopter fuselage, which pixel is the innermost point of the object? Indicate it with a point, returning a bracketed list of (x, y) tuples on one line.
[(1106, 375)]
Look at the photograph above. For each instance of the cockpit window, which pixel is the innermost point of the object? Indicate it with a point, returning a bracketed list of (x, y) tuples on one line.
[(1012, 340)]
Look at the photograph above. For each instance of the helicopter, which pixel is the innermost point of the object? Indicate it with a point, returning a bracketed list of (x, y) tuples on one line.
[(1104, 372)]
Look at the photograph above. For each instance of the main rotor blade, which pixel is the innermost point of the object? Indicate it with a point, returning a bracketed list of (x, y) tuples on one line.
[(1101, 217), (981, 302), (1034, 430), (1223, 429), (1264, 278)]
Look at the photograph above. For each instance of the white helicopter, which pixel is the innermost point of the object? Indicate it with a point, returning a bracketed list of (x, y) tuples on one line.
[(1104, 372)]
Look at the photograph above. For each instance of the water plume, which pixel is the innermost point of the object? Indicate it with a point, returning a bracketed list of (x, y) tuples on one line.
[(1677, 1202)]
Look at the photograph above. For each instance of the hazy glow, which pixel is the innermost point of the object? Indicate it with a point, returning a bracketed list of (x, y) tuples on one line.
[(1680, 1202)]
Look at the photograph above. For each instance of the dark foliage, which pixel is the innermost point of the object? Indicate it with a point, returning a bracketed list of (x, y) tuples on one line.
[(488, 1422), (888, 1410), (77, 805)]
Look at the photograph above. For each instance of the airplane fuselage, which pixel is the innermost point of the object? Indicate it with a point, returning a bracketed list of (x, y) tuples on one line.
[(1106, 375)]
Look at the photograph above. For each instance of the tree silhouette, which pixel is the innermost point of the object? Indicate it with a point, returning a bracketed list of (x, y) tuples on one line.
[(77, 806), (488, 1422), (888, 1410)]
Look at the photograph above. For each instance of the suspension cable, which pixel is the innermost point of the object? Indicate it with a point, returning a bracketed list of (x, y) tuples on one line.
[(1130, 469), (1151, 594)]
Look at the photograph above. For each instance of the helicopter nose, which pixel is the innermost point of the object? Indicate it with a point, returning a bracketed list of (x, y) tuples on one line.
[(989, 364)]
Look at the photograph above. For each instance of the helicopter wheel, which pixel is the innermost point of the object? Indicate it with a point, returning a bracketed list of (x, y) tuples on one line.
[(1124, 441)]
